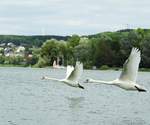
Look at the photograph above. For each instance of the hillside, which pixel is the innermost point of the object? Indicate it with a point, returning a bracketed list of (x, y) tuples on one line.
[(29, 40)]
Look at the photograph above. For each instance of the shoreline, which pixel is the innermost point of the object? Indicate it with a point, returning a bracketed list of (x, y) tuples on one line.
[(110, 68)]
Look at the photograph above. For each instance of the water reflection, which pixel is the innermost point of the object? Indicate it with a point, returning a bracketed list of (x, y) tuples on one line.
[(75, 102), (76, 109)]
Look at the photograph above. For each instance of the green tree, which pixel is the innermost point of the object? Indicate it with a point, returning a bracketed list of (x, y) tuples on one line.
[(103, 53), (50, 51), (73, 40), (83, 52), (146, 52)]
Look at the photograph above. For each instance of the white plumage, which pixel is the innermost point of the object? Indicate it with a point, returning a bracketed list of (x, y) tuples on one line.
[(131, 65), (127, 79), (72, 76)]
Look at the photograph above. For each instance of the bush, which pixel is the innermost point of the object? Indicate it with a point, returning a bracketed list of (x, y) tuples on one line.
[(14, 60), (41, 63), (31, 60), (2, 59), (104, 67)]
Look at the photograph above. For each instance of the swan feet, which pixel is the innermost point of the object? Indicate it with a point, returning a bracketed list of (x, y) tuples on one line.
[(80, 86), (140, 90)]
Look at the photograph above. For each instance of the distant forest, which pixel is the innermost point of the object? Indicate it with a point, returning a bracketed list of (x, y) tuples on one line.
[(102, 50), (36, 40)]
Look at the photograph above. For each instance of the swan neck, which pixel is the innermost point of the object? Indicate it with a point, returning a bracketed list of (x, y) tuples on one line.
[(54, 79), (101, 81)]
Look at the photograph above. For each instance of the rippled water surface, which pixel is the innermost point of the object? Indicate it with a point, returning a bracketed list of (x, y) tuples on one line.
[(25, 99)]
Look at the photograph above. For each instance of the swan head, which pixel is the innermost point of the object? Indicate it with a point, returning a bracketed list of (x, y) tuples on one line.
[(43, 78), (88, 81)]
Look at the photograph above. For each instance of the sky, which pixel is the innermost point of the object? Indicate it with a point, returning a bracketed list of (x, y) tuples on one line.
[(67, 17)]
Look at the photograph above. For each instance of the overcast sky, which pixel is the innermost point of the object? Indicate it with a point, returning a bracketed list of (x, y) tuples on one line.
[(67, 17)]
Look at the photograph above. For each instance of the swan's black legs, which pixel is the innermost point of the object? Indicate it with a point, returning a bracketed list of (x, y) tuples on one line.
[(80, 86)]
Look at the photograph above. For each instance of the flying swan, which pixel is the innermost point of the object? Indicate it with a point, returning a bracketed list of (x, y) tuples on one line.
[(127, 79), (72, 76)]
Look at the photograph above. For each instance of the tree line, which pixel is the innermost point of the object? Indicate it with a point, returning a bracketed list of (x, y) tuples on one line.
[(102, 50), (29, 41)]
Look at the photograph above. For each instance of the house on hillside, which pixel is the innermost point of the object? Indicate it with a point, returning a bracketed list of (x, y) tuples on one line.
[(8, 52), (11, 45), (2, 44), (20, 51)]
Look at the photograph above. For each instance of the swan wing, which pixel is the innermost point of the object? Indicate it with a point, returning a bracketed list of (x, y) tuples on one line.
[(131, 65), (76, 73), (69, 70)]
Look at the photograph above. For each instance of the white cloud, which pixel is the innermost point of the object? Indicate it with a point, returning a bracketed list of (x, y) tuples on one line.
[(69, 17)]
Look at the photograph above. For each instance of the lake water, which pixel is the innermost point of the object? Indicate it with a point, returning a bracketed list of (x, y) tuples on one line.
[(25, 99)]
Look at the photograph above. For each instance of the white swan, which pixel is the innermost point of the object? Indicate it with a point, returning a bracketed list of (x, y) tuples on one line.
[(127, 79), (72, 76)]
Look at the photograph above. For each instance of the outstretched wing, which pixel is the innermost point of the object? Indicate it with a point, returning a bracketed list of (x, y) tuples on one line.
[(76, 73), (131, 65), (69, 70)]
